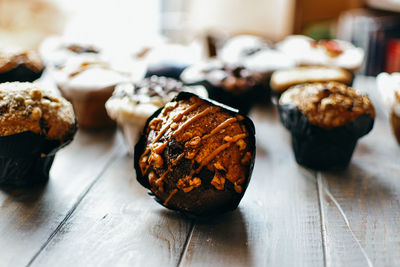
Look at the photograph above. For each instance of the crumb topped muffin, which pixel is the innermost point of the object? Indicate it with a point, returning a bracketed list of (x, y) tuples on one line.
[(328, 105), (26, 107), (35, 124), (197, 156), (325, 120)]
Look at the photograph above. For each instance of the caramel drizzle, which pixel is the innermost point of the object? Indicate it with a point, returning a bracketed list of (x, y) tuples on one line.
[(223, 125), (178, 158), (193, 119), (170, 196)]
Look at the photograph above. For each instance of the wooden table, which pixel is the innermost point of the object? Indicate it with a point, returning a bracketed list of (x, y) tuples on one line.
[(94, 213)]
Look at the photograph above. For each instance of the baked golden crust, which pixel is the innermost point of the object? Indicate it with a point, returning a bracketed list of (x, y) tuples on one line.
[(328, 105), (207, 138), (26, 107)]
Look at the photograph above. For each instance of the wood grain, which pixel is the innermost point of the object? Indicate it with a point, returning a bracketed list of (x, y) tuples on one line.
[(278, 222), (29, 217), (361, 206), (118, 224)]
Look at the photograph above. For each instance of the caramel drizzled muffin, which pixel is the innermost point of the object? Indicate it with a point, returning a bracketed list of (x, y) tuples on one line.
[(197, 157), (230, 84), (326, 120), (23, 66), (132, 103), (34, 124)]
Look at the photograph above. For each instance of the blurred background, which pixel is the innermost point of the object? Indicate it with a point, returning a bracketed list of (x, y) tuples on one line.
[(132, 24)]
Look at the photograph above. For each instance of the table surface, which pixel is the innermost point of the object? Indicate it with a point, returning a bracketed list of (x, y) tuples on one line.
[(93, 212)]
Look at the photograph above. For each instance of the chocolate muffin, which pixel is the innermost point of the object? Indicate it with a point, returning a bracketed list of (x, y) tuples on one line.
[(196, 156), (232, 85), (23, 66), (34, 124), (133, 103), (325, 120), (281, 80)]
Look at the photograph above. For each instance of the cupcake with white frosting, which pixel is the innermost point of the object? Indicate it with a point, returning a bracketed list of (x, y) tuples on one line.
[(389, 89), (333, 53)]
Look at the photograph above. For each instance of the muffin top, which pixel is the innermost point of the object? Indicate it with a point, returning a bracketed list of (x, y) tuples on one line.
[(195, 145), (135, 102), (26, 107), (283, 79), (234, 78), (29, 59), (328, 105)]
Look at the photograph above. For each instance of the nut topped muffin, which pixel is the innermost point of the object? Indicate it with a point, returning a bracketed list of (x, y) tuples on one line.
[(325, 120), (35, 124), (328, 105), (230, 84), (22, 66), (132, 103), (195, 156), (26, 107)]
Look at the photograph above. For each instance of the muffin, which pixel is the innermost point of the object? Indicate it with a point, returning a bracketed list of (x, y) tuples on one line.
[(35, 124), (283, 79), (333, 53), (196, 156), (242, 46), (325, 121), (232, 85), (55, 50), (389, 89), (88, 82), (25, 66), (132, 103)]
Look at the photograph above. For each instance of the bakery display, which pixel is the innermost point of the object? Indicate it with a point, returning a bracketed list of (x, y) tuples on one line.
[(232, 85), (389, 89), (21, 66), (35, 124), (325, 121), (333, 53), (196, 156), (88, 82), (283, 79), (132, 103)]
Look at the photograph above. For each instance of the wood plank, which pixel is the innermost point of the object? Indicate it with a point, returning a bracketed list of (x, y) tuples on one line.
[(278, 222), (361, 206), (118, 224), (29, 217)]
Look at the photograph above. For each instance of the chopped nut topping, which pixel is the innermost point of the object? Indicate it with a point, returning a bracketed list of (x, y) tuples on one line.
[(152, 177), (238, 188), (194, 141), (158, 148), (242, 144), (219, 166), (36, 94), (246, 158), (156, 160), (36, 113), (187, 184), (218, 181)]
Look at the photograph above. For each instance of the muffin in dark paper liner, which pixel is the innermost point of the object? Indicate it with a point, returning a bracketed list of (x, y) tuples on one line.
[(35, 124), (196, 156), (22, 66), (325, 120), (230, 84)]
